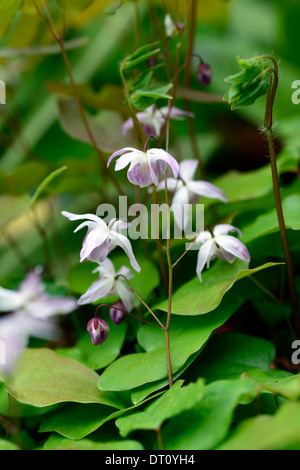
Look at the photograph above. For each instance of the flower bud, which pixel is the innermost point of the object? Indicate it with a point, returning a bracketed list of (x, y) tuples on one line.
[(204, 74), (117, 312), (98, 329)]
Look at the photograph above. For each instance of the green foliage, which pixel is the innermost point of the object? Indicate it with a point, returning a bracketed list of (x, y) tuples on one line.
[(249, 84)]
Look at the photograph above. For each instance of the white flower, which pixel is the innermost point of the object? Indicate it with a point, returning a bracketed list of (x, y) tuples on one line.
[(145, 167), (109, 284), (101, 239), (32, 315), (188, 191), (153, 119), (220, 245)]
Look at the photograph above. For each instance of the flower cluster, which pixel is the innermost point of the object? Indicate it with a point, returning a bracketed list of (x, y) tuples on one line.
[(31, 313), (99, 241)]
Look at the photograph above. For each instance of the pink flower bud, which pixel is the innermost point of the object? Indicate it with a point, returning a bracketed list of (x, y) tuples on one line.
[(204, 74), (98, 329), (117, 312)]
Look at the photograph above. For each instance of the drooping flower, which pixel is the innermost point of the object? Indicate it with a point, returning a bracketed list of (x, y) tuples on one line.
[(220, 245), (101, 239), (187, 191), (145, 167), (117, 312), (153, 119), (109, 283), (31, 313), (204, 74), (98, 329)]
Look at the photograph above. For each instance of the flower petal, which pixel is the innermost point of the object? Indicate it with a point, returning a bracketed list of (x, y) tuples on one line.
[(206, 252), (233, 246), (120, 152), (72, 217), (203, 188), (97, 290), (94, 239), (127, 125), (125, 295), (223, 229), (160, 154), (125, 244), (45, 307), (10, 300), (187, 169)]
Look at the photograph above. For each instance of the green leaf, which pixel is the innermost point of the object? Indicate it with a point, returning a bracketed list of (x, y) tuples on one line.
[(142, 99), (278, 432), (56, 442), (268, 222), (76, 421), (204, 426), (44, 378), (198, 298), (278, 382), (8, 10), (187, 336), (106, 127), (140, 56), (171, 403), (15, 208), (228, 355), (7, 445), (249, 84)]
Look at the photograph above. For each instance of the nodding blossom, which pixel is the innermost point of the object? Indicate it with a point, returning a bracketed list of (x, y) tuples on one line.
[(31, 313), (110, 283), (98, 329), (145, 167), (153, 119), (187, 191), (117, 312), (101, 238), (219, 244)]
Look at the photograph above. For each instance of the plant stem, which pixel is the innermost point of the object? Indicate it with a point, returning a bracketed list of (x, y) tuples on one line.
[(268, 123), (170, 271), (283, 233)]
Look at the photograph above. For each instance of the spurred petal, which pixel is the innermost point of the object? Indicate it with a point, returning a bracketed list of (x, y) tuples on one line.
[(94, 239), (203, 188), (223, 229), (206, 252), (160, 154), (233, 246), (124, 243), (139, 174)]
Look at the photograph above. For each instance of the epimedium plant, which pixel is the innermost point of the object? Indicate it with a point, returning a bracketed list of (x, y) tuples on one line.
[(144, 363)]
